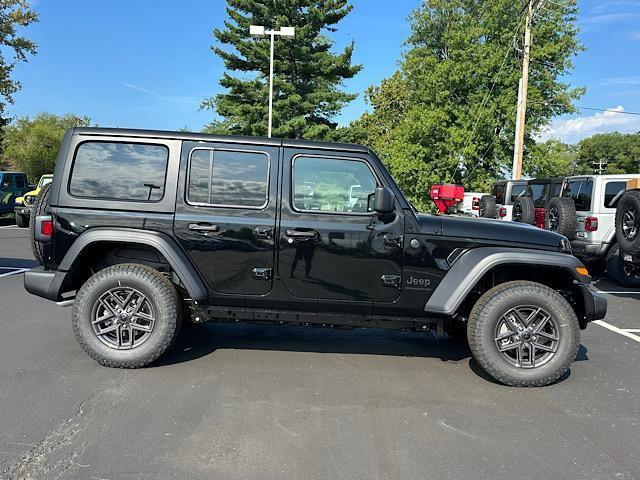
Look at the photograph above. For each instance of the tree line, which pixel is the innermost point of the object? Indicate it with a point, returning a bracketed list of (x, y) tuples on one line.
[(446, 114)]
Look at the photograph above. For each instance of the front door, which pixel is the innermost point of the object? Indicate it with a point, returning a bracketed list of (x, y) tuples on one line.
[(225, 214), (332, 246)]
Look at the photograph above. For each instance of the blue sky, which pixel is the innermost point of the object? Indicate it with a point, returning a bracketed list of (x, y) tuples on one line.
[(147, 64)]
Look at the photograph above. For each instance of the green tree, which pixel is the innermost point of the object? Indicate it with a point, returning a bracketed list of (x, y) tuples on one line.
[(308, 91), (448, 113), (552, 158), (30, 145), (620, 151), (13, 15)]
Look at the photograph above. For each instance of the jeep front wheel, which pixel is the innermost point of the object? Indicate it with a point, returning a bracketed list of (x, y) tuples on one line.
[(523, 334), (126, 316)]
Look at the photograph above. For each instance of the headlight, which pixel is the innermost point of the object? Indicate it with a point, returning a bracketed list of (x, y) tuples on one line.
[(28, 200), (565, 246)]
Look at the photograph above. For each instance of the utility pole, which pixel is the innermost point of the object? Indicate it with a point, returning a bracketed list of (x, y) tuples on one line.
[(600, 166), (522, 97)]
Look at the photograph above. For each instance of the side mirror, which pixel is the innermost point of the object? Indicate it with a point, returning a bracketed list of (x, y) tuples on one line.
[(385, 201)]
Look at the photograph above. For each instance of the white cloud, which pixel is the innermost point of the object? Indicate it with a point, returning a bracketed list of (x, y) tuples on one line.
[(607, 82), (572, 130)]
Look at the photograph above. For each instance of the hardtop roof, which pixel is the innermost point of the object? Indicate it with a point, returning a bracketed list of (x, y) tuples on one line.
[(204, 137)]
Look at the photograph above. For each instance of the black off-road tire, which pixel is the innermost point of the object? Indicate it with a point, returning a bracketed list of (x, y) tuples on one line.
[(40, 206), (561, 217), (628, 222), (163, 297), (488, 208), (22, 220), (495, 303), (526, 211), (625, 274)]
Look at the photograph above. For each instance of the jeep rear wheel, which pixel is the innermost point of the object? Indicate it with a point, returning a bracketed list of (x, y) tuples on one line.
[(625, 274), (127, 316), (39, 208), (22, 220), (561, 217), (523, 334), (488, 208)]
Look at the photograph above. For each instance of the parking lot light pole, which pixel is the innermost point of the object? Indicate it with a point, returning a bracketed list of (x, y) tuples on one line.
[(260, 31)]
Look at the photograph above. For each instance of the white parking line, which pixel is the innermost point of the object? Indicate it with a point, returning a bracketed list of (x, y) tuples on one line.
[(16, 272), (618, 292), (613, 328), (9, 226), (632, 330)]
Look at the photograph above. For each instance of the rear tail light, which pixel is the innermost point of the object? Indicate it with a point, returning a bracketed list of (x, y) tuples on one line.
[(502, 212), (475, 204), (590, 224), (43, 228)]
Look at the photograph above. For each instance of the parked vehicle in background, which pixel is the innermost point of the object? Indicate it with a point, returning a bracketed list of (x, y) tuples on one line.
[(470, 204), (24, 204), (628, 227), (531, 207), (12, 186), (499, 204), (586, 214), (142, 230)]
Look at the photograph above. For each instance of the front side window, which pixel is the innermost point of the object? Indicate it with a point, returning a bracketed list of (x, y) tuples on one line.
[(580, 191), (119, 171), (612, 191), (332, 185), (228, 178)]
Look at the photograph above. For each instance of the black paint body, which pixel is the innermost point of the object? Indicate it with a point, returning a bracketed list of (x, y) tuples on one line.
[(251, 259)]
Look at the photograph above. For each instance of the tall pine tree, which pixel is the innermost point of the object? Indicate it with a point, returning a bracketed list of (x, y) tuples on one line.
[(308, 90)]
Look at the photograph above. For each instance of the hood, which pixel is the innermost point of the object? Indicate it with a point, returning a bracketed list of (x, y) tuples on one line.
[(496, 231)]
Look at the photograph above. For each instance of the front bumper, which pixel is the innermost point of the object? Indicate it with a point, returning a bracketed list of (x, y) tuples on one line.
[(22, 210), (44, 283), (595, 305)]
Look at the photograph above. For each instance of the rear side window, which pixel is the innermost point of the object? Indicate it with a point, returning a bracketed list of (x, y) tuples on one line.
[(516, 191), (581, 192), (119, 171), (228, 178), (498, 192), (611, 191), (538, 193)]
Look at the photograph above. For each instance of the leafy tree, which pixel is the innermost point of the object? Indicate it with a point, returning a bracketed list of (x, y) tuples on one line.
[(621, 151), (448, 113), (308, 78), (30, 145), (552, 158), (13, 14)]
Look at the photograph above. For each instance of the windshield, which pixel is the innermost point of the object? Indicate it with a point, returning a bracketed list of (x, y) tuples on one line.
[(45, 181)]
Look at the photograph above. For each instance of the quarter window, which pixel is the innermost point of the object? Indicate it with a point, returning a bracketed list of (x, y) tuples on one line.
[(228, 178), (611, 191), (119, 171), (516, 191), (580, 191), (332, 185)]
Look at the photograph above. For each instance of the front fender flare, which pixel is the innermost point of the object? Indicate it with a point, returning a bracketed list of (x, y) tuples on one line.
[(164, 244), (467, 271)]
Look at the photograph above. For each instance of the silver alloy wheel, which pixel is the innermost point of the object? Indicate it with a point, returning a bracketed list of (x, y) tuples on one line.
[(123, 318), (527, 336), (630, 225)]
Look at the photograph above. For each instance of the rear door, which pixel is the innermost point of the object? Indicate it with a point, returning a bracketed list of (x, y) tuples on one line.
[(225, 214)]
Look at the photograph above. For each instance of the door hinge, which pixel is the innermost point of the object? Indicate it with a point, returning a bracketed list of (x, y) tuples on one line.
[(392, 281), (392, 240), (261, 273)]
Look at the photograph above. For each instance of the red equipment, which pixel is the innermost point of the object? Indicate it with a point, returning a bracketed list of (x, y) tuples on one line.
[(446, 196)]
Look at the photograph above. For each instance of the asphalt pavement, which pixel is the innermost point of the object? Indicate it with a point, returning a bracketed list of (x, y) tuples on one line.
[(252, 402)]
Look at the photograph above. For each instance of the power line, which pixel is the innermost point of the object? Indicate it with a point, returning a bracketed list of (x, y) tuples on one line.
[(623, 112)]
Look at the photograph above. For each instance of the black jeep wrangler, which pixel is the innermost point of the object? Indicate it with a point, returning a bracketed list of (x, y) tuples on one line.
[(144, 230)]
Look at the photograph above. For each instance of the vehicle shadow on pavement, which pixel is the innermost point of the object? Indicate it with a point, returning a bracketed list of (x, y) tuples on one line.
[(197, 341), (7, 221), (17, 262)]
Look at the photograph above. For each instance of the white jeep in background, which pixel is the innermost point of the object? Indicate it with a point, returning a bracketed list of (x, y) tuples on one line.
[(585, 213), (503, 195)]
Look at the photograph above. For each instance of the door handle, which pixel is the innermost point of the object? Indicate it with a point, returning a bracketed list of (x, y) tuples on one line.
[(263, 232), (206, 227), (301, 234)]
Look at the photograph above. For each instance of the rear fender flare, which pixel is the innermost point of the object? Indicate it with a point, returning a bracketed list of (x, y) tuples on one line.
[(164, 244)]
